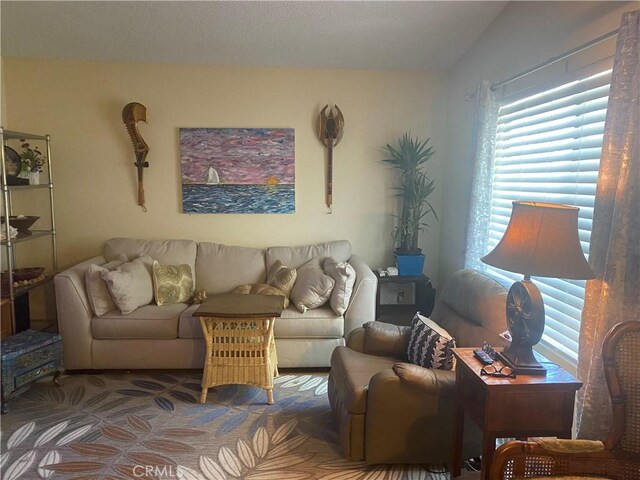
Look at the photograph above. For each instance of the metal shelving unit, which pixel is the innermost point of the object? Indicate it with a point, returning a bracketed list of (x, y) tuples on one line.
[(9, 243)]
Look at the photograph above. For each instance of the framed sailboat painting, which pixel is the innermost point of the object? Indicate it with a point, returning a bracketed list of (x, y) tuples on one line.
[(238, 170)]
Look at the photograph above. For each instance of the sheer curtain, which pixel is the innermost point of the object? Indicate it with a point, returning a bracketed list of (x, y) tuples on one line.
[(614, 252), (483, 152)]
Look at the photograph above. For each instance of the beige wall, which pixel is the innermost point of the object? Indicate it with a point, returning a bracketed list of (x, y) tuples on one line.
[(80, 104), (523, 35)]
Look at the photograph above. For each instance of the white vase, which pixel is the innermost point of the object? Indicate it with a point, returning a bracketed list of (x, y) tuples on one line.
[(34, 178)]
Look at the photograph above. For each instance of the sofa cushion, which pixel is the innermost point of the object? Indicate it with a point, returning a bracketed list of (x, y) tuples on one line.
[(297, 256), (172, 283), (97, 292), (189, 326), (148, 322), (131, 284), (351, 371), (345, 277), (221, 268), (317, 323), (312, 288), (168, 252)]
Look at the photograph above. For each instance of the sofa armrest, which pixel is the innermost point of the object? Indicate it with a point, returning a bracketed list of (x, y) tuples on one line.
[(362, 306), (74, 314), (355, 340)]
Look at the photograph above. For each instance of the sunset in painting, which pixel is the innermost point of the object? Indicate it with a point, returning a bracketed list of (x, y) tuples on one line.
[(238, 170)]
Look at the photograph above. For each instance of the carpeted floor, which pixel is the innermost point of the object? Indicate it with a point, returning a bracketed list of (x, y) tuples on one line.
[(150, 425)]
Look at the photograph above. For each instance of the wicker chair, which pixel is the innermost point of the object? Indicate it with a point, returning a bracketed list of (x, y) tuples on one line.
[(618, 456)]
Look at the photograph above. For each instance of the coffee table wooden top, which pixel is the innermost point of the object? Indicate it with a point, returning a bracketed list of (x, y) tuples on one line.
[(237, 305)]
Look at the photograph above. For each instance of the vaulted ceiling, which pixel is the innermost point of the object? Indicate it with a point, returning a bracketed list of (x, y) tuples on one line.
[(314, 34)]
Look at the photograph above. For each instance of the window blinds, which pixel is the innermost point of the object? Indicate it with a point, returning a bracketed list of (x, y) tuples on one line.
[(548, 150)]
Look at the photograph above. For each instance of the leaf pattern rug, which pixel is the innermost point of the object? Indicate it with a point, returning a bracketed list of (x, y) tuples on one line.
[(150, 425)]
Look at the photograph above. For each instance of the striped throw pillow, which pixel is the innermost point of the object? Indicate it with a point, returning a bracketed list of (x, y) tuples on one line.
[(429, 344)]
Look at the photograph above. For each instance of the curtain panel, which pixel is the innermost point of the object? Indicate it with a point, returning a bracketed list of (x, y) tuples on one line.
[(614, 253), (482, 154)]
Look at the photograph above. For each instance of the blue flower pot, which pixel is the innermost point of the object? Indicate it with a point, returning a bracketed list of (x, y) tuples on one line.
[(410, 264)]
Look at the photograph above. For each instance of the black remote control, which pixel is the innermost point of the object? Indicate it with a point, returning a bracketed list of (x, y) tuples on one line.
[(483, 357)]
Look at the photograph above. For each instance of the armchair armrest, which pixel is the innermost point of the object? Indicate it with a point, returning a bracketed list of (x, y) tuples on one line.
[(385, 339), (427, 380)]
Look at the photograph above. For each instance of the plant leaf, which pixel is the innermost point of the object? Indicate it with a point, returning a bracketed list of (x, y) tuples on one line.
[(261, 442), (229, 462), (283, 431), (20, 435), (118, 434), (186, 473), (72, 435), (51, 433), (284, 461), (288, 446), (95, 449), (52, 457), (245, 454), (21, 465), (211, 469)]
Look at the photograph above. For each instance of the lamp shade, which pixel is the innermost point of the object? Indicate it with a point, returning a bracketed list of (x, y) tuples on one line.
[(541, 240)]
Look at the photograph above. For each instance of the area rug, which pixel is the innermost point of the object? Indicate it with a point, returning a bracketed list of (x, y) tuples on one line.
[(150, 425)]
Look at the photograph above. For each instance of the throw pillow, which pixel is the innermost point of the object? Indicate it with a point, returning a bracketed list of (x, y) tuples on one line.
[(429, 344), (345, 277), (282, 277), (97, 292), (131, 284), (172, 283), (312, 288), (261, 289)]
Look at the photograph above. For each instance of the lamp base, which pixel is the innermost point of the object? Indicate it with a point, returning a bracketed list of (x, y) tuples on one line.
[(521, 360)]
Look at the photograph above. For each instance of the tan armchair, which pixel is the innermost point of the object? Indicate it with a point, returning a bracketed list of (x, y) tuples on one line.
[(618, 456), (389, 411)]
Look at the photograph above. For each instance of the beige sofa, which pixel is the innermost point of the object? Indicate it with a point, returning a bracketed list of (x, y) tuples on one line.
[(169, 336), (390, 411)]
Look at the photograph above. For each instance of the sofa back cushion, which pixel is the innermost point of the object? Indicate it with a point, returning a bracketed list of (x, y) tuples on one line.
[(295, 257), (472, 307), (167, 252), (221, 268)]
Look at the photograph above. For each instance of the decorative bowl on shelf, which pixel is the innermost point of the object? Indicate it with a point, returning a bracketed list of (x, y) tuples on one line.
[(21, 275), (21, 222)]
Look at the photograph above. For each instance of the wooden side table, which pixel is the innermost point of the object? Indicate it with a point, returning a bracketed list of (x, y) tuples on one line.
[(528, 405), (238, 332), (402, 314)]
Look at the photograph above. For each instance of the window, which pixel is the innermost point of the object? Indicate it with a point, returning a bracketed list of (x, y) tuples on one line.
[(548, 150)]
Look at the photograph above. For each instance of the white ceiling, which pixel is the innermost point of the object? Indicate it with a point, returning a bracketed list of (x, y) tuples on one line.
[(316, 34)]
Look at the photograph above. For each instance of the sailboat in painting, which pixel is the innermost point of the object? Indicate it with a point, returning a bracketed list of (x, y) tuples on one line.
[(213, 178)]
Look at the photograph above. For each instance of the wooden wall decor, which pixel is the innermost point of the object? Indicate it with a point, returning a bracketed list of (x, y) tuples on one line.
[(330, 130), (132, 113)]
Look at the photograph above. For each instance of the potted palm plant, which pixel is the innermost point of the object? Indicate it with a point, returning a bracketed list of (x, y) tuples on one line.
[(409, 158)]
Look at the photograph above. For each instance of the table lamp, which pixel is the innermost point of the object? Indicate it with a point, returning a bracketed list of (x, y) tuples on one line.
[(541, 240)]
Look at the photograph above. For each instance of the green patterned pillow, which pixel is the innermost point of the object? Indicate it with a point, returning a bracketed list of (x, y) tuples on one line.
[(282, 277), (172, 283)]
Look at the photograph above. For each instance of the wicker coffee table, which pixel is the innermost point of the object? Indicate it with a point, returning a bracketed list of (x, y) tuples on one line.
[(238, 331)]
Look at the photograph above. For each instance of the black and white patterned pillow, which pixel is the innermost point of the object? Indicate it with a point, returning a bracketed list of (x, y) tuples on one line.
[(429, 344)]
